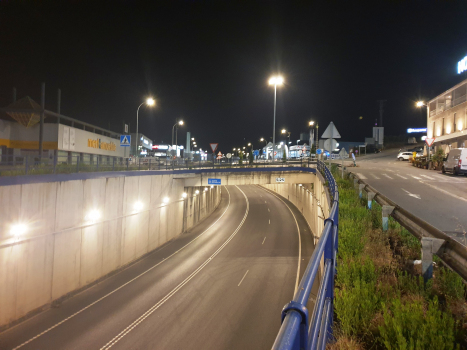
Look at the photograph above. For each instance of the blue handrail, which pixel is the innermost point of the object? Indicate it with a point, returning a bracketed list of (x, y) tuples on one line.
[(296, 333)]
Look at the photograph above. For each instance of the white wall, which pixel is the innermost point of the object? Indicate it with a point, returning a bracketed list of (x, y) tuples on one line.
[(62, 251)]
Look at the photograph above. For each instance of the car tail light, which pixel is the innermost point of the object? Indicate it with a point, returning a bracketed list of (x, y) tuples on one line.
[(460, 163)]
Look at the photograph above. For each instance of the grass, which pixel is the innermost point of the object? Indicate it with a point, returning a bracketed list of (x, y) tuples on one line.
[(381, 300)]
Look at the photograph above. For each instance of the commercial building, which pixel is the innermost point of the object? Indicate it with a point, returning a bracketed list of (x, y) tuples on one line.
[(447, 118), (63, 138)]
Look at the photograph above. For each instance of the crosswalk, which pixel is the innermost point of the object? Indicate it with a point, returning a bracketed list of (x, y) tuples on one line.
[(420, 177)]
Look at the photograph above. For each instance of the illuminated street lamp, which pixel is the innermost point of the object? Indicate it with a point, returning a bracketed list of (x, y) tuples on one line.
[(176, 131), (277, 80), (311, 124), (149, 102), (420, 104)]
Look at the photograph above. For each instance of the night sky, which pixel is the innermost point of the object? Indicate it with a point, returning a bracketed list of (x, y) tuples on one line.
[(209, 63)]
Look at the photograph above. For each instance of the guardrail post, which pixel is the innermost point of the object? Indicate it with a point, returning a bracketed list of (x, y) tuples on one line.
[(430, 246), (387, 210), (371, 196), (360, 190)]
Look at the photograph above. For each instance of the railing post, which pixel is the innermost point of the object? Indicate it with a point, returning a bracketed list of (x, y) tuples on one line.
[(371, 196), (360, 190), (77, 165), (430, 246), (387, 210)]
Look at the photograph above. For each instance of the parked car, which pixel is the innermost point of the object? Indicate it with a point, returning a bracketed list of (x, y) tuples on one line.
[(456, 161), (404, 155)]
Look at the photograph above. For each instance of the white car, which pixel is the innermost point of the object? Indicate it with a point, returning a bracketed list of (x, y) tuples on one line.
[(404, 156)]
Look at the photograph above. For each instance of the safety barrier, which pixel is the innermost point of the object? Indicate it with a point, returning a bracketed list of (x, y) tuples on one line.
[(297, 331)]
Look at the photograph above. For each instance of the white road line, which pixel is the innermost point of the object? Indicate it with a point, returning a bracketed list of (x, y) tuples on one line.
[(269, 221), (268, 209), (265, 202), (428, 177), (243, 278), (402, 176), (445, 192), (416, 177), (361, 176), (376, 177), (387, 176), (299, 238), (125, 284), (263, 240), (177, 288)]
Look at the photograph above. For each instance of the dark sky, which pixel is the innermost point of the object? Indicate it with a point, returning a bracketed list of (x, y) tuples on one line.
[(209, 63)]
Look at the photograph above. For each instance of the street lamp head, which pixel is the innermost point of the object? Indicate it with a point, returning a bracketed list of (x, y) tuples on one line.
[(278, 80), (311, 123), (249, 144), (243, 147), (283, 131), (234, 149), (150, 101), (420, 104), (261, 139), (180, 122)]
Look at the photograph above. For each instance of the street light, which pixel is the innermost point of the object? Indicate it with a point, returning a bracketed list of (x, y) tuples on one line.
[(277, 80), (150, 102), (176, 131), (420, 104), (311, 124)]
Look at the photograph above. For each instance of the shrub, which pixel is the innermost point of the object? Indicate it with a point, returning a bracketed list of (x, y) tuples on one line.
[(449, 284), (408, 326)]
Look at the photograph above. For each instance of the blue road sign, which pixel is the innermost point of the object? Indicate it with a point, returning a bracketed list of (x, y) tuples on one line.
[(319, 151), (125, 140), (214, 181), (256, 153)]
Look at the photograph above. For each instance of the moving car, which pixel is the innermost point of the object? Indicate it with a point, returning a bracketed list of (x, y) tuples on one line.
[(404, 155), (456, 161)]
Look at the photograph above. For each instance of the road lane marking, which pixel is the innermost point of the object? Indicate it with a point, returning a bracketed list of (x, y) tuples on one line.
[(402, 176), (269, 221), (428, 177), (445, 192), (361, 176), (299, 238), (263, 240), (125, 284), (416, 177), (243, 277), (411, 194), (268, 210), (387, 176), (180, 285), (376, 177)]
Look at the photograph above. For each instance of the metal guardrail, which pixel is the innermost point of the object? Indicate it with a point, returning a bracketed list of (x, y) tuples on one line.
[(452, 253), (297, 332)]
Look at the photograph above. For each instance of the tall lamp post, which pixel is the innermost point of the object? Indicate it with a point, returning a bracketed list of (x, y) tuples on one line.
[(421, 104), (176, 130), (150, 102), (277, 80), (310, 124), (265, 144)]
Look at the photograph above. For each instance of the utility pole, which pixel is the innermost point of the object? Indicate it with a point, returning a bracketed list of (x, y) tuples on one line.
[(381, 110)]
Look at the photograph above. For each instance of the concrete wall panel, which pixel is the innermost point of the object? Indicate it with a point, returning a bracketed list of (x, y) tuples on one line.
[(69, 209)]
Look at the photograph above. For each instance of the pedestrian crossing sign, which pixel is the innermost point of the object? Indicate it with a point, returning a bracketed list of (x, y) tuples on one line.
[(125, 140)]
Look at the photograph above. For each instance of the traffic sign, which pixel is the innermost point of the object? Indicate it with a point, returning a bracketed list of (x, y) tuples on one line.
[(280, 179), (256, 153), (214, 181), (213, 146), (343, 153), (331, 132), (330, 144), (228, 155), (219, 155), (430, 141), (319, 151), (125, 140)]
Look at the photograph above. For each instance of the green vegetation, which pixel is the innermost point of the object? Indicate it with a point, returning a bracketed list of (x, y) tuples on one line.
[(381, 299)]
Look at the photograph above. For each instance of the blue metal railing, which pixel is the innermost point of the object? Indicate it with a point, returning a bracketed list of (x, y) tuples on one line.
[(297, 331)]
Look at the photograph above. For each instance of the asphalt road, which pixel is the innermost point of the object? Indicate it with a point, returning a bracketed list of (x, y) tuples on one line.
[(220, 286), (439, 199)]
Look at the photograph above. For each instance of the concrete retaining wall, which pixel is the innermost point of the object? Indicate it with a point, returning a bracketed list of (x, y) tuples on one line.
[(65, 248), (310, 198)]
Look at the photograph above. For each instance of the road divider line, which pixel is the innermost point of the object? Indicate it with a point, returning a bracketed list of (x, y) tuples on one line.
[(145, 315), (428, 177), (299, 238), (263, 240), (402, 176), (376, 177), (416, 177), (361, 176), (269, 221), (127, 283), (445, 192), (386, 176), (243, 277)]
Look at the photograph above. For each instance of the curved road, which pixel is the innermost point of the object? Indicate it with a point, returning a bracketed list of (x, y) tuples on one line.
[(220, 286)]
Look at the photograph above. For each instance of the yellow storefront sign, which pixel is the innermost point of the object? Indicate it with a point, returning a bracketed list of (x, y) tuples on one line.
[(98, 143)]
